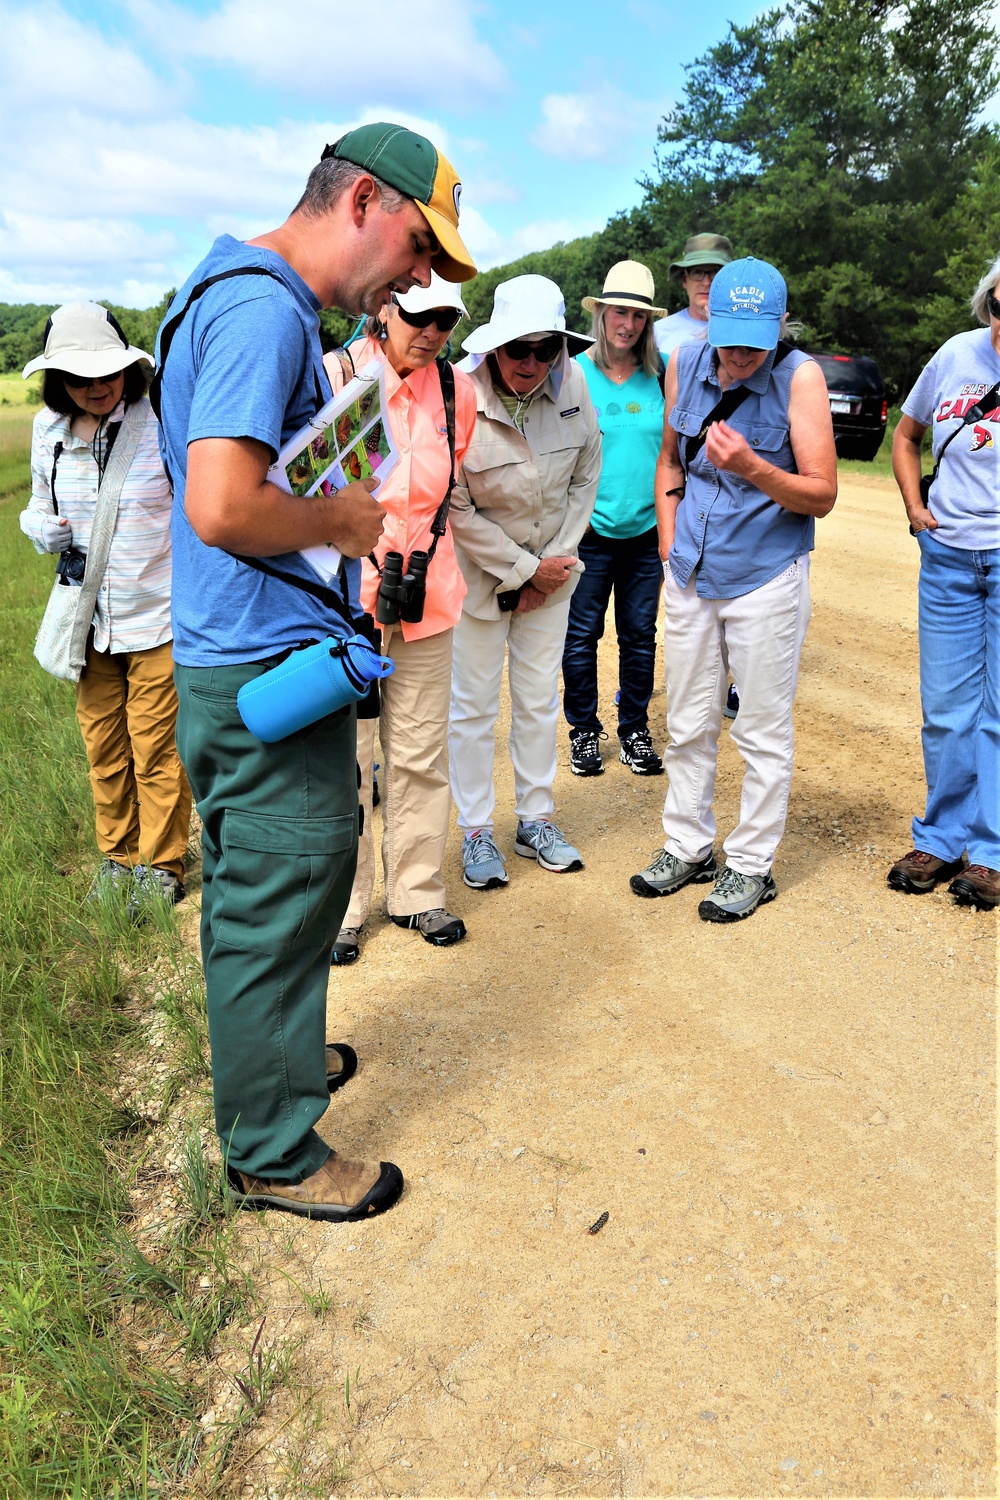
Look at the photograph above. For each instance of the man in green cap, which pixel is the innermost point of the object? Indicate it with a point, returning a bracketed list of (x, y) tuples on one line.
[(703, 255), (280, 822)]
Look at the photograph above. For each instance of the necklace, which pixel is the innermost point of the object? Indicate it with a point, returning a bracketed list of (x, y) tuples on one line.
[(620, 375)]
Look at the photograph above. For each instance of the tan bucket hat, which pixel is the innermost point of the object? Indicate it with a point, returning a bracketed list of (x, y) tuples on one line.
[(627, 284)]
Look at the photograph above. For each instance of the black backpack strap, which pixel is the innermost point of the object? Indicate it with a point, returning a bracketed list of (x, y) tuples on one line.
[(319, 591), (723, 410), (981, 407)]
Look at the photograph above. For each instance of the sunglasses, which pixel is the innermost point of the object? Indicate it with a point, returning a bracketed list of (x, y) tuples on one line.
[(445, 317), (84, 382), (544, 350), (993, 303)]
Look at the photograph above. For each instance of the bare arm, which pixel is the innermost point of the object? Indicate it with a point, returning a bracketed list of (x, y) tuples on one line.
[(231, 504), (669, 473), (813, 490), (906, 444)]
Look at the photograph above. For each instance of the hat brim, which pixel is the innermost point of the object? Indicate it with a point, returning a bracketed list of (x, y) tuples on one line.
[(750, 333), (705, 258), (492, 336), (591, 304), (453, 261), (89, 362)]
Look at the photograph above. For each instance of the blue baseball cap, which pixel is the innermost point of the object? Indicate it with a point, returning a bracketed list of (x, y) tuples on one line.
[(746, 305)]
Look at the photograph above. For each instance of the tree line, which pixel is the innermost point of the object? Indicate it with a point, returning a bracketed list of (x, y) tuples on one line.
[(842, 140)]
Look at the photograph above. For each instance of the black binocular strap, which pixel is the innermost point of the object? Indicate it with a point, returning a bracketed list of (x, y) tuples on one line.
[(974, 414), (319, 591), (723, 410), (439, 525)]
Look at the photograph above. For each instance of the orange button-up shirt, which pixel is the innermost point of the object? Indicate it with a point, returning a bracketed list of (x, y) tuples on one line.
[(417, 485)]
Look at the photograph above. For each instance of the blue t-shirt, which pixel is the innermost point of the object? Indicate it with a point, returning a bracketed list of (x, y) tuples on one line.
[(679, 328), (965, 497), (631, 421), (245, 362)]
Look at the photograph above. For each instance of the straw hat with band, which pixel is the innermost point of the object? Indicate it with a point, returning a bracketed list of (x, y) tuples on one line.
[(83, 338), (627, 284), (704, 250), (522, 307), (414, 166)]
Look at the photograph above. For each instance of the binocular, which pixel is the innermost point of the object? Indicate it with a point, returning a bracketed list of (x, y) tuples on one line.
[(401, 595)]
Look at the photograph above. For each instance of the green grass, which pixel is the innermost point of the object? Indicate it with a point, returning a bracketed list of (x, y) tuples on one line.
[(84, 1408), (18, 404)]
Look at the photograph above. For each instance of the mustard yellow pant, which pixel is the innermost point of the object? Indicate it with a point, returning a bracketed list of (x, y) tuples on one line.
[(126, 705)]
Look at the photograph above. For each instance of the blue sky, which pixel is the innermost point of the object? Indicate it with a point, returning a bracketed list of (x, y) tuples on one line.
[(137, 130)]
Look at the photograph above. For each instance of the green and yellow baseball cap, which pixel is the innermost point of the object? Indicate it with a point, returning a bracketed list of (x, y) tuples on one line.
[(414, 166)]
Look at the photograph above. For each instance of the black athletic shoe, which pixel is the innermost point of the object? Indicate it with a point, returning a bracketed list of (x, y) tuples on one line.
[(637, 751), (585, 752)]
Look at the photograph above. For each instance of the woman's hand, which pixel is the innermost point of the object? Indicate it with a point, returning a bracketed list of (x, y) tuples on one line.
[(57, 533), (727, 449), (906, 463)]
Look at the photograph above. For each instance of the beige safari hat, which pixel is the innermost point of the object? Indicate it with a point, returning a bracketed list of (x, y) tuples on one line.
[(83, 338), (627, 284)]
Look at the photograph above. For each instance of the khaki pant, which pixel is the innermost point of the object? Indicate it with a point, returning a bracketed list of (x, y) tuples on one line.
[(127, 708), (416, 797)]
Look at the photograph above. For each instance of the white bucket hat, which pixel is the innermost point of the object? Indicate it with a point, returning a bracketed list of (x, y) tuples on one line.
[(83, 338), (440, 293), (627, 284), (523, 306)]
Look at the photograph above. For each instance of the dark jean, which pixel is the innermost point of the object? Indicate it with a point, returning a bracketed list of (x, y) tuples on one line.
[(279, 847), (959, 615), (630, 567)]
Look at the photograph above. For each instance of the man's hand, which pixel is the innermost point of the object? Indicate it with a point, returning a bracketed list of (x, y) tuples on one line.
[(530, 599), (551, 574), (727, 449), (357, 520), (57, 533)]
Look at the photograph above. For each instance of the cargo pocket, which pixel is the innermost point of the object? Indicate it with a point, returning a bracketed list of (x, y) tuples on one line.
[(276, 880)]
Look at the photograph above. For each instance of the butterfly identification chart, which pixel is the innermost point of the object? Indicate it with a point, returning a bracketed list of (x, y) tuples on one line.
[(349, 438)]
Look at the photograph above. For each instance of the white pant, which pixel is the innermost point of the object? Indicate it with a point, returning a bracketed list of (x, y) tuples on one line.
[(534, 643), (760, 636), (416, 801)]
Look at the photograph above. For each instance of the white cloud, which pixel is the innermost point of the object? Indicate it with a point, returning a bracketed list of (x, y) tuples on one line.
[(593, 126), (50, 60), (492, 248), (409, 51)]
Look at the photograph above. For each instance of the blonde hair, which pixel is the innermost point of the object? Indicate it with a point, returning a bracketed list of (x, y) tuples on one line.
[(647, 355)]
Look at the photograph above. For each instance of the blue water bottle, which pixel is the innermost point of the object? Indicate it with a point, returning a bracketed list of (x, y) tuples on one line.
[(308, 685)]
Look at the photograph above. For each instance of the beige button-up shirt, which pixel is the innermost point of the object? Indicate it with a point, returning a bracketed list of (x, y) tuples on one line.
[(522, 497)]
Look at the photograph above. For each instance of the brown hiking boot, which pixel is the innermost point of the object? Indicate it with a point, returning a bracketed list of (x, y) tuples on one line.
[(340, 1191), (341, 1065), (977, 886), (917, 873)]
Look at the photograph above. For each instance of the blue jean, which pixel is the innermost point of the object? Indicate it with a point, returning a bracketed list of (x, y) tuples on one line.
[(630, 567), (959, 619)]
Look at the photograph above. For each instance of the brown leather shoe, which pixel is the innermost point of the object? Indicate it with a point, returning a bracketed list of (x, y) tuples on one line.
[(917, 873), (340, 1191), (977, 885)]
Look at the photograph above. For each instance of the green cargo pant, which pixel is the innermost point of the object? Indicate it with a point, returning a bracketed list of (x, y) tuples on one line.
[(279, 848)]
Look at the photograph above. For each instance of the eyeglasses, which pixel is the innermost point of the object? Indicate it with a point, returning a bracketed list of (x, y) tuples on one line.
[(445, 317), (544, 350), (701, 273), (993, 303), (84, 382)]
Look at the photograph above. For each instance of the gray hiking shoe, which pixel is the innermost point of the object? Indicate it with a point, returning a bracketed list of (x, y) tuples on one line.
[(151, 885), (112, 880), (666, 874), (543, 841), (435, 926), (484, 866), (736, 896)]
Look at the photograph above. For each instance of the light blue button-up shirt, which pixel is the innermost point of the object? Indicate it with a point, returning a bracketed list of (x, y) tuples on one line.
[(730, 535)]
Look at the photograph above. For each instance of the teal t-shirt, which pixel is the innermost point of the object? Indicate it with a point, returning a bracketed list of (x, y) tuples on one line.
[(631, 421)]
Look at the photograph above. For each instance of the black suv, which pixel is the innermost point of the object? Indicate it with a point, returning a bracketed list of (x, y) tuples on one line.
[(857, 402)]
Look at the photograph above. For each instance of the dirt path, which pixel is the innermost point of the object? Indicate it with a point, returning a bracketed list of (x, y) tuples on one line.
[(790, 1124)]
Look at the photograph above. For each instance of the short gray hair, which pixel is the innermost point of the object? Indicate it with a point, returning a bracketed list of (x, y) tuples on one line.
[(978, 299), (644, 348), (329, 180)]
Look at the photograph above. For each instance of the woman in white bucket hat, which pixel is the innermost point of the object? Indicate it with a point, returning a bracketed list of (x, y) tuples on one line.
[(619, 549), (522, 504), (94, 394)]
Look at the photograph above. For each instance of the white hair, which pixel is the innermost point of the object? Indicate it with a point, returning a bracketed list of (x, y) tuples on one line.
[(978, 299)]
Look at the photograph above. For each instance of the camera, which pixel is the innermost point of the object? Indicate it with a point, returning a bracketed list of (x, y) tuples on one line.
[(72, 565), (401, 595)]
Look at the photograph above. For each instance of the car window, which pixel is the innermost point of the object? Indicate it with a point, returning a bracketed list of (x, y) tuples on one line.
[(850, 372)]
